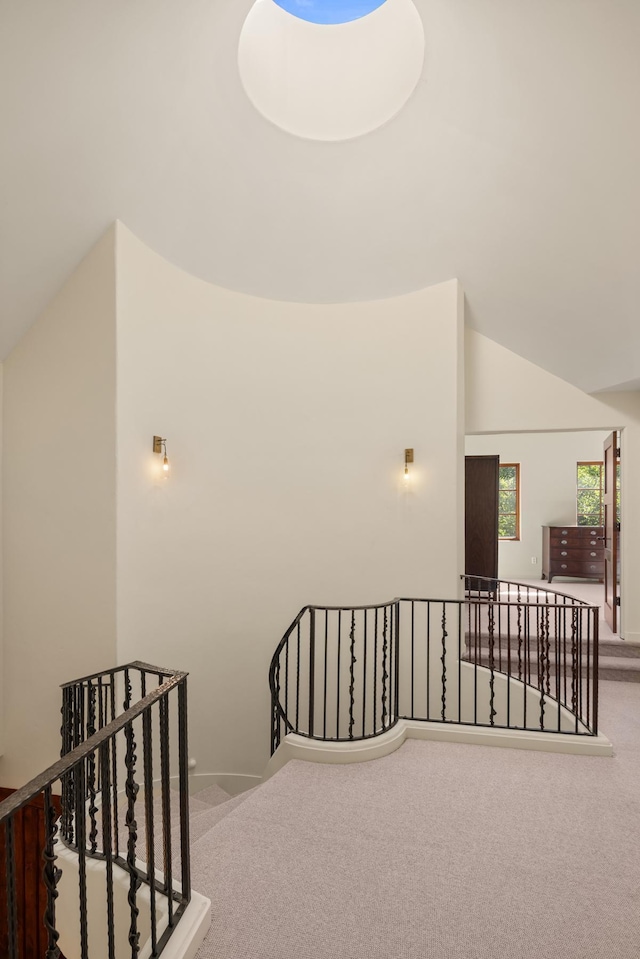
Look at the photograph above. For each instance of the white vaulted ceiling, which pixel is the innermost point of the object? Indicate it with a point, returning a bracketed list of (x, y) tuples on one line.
[(514, 166)]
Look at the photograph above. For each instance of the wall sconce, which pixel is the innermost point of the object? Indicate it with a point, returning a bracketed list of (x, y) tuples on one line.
[(408, 458), (159, 446)]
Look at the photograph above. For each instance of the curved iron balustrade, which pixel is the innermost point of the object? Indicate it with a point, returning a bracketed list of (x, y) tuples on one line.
[(507, 656), (90, 816)]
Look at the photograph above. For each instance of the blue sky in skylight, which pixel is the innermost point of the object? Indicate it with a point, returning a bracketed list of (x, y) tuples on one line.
[(329, 11)]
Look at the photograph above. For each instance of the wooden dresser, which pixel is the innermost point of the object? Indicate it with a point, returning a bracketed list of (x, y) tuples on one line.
[(576, 551)]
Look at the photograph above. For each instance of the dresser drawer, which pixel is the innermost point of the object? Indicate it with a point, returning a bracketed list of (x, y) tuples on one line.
[(571, 567), (570, 553), (575, 536)]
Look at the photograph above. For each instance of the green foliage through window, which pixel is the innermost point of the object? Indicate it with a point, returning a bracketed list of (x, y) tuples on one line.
[(589, 493), (509, 501)]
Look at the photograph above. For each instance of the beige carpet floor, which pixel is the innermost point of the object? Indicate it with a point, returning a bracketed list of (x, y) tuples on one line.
[(439, 851), (585, 590)]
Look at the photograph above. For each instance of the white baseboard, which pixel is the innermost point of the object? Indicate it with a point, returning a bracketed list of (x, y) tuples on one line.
[(190, 932), (633, 639), (299, 747), (233, 783)]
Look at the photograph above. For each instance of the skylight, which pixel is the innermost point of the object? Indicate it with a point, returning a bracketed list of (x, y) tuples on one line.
[(330, 69), (329, 11)]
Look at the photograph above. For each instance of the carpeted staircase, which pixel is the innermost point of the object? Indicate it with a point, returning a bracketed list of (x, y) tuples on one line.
[(618, 659)]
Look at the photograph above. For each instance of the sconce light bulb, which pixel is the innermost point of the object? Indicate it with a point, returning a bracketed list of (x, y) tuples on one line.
[(165, 463), (406, 473)]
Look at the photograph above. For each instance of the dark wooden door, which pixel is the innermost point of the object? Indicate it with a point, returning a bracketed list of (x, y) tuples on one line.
[(611, 455), (481, 519), (31, 892)]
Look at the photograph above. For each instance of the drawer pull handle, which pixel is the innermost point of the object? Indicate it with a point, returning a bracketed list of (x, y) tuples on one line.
[(563, 542), (593, 543), (594, 532), (564, 532), (593, 566), (594, 554), (563, 553), (563, 566)]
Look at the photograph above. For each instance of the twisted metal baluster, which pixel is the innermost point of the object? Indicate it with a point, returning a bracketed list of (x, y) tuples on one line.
[(519, 636), (166, 801), (74, 739), (574, 660), (275, 731), (12, 902), (352, 684), (65, 732), (547, 640), (492, 680), (127, 690), (385, 674), (541, 664), (51, 875), (91, 770), (80, 797), (107, 841), (131, 790), (443, 660)]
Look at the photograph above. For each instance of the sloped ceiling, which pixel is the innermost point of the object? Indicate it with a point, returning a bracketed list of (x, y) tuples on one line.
[(514, 167)]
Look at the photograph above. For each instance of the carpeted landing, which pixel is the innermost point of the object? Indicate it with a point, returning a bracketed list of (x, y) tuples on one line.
[(439, 851)]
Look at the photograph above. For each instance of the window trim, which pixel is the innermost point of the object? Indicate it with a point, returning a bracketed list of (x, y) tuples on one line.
[(599, 463), (516, 538)]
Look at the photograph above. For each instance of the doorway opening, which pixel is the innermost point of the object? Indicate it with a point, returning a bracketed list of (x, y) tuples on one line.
[(553, 518)]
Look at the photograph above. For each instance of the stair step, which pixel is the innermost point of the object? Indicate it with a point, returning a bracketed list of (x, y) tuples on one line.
[(610, 647), (609, 667), (614, 646), (213, 795)]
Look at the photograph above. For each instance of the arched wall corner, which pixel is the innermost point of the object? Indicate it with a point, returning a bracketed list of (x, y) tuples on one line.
[(287, 425)]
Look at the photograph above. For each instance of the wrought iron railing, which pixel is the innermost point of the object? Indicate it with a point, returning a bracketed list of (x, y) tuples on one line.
[(499, 658), (542, 637), (99, 778)]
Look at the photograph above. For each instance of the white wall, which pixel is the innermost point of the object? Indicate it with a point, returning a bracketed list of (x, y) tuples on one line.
[(505, 394), (547, 487), (2, 717), (286, 426), (59, 510)]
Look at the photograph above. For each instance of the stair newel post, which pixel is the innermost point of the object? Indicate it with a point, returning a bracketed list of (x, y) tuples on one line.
[(385, 674), (396, 684), (298, 677), (147, 755), (460, 667), (312, 670), (183, 762), (594, 674), (557, 629), (166, 803)]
